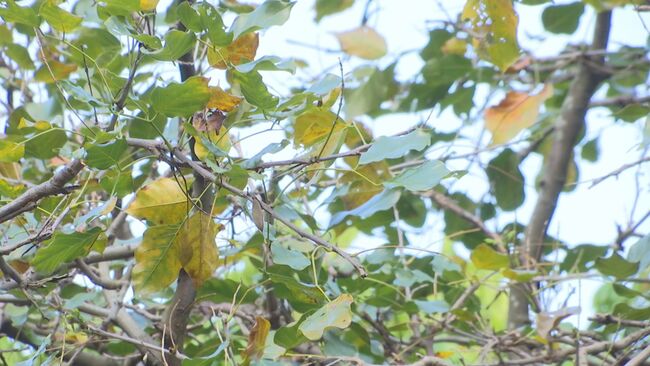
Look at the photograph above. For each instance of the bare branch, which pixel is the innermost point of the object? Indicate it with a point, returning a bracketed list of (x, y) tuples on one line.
[(53, 186)]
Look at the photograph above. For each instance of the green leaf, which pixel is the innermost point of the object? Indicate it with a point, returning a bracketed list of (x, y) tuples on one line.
[(334, 314), (640, 252), (626, 311), (632, 112), (58, 18), (590, 150), (20, 55), (181, 100), (302, 297), (43, 140), (391, 147), (64, 248), (563, 19), (11, 151), (189, 17), (17, 14), (157, 260), (177, 44), (367, 98), (383, 201), (506, 180), (290, 336), (291, 258), (616, 266), (269, 149), (271, 12), (446, 69), (484, 257), (268, 63), (254, 90), (421, 178), (105, 156), (329, 7), (432, 306)]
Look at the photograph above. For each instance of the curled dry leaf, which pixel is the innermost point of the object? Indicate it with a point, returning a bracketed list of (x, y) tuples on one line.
[(363, 42), (514, 113)]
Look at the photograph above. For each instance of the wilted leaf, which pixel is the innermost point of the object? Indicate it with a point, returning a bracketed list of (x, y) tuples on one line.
[(484, 257), (198, 251), (494, 26), (364, 183), (157, 259), (162, 201), (221, 100), (181, 100), (257, 340), (421, 178), (391, 147), (517, 111), (64, 248), (54, 71), (242, 50), (313, 126), (334, 314), (271, 12), (363, 42)]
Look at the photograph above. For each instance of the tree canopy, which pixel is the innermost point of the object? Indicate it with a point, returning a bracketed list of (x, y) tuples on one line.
[(171, 196)]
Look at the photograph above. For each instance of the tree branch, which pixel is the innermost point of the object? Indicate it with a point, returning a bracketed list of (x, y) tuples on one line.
[(53, 186), (569, 124)]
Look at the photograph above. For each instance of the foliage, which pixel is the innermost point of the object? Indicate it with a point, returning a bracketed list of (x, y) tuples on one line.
[(150, 214)]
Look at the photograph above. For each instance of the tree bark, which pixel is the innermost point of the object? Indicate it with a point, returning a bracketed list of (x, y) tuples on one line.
[(569, 124)]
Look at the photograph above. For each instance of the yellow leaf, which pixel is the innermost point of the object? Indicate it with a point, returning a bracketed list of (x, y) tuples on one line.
[(242, 50), (365, 183), (220, 140), (56, 71), (336, 313), (514, 113), (148, 5), (222, 101), (494, 29), (257, 340), (363, 42), (454, 46), (197, 249), (160, 202), (10, 170), (157, 261), (313, 126)]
